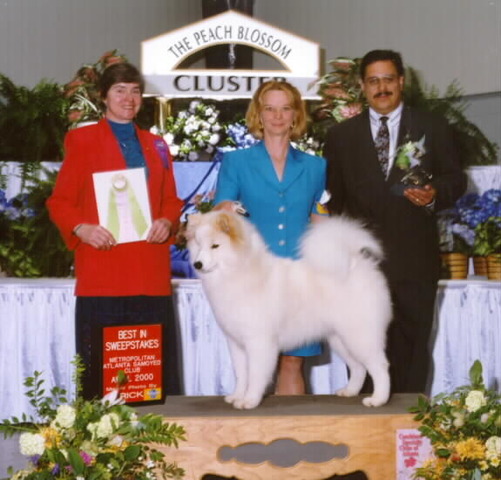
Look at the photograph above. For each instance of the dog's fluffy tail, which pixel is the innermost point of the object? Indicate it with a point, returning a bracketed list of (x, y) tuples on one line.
[(337, 244)]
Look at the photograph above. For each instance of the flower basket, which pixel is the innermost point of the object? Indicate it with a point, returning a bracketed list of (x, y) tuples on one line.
[(456, 265), (494, 266), (480, 265)]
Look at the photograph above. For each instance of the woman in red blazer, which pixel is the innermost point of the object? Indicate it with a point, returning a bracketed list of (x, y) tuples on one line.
[(117, 283)]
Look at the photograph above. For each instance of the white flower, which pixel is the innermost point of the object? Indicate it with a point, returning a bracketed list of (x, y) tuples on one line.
[(169, 138), (194, 104), (192, 156), (214, 139), (174, 150), (105, 427), (65, 416), (474, 400), (31, 444), (155, 130), (493, 446), (116, 441)]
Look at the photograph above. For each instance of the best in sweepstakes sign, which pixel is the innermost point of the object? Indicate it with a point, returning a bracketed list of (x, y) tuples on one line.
[(137, 351)]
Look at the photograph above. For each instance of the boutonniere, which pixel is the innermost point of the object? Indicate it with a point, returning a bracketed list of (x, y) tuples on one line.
[(409, 154)]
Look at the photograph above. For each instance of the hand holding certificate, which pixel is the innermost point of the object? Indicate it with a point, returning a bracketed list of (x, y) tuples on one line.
[(123, 204)]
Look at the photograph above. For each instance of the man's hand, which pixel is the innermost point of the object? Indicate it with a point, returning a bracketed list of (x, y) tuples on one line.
[(421, 196)]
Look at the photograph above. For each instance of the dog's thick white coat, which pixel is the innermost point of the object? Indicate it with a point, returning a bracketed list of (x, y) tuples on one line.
[(266, 304)]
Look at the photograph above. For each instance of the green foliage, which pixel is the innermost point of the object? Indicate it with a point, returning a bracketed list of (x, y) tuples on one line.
[(32, 121), (92, 439), (488, 237), (473, 146), (464, 428), (31, 244)]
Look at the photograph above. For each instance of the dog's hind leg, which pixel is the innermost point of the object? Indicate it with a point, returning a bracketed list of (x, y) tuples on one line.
[(378, 370), (238, 359), (357, 370), (262, 360)]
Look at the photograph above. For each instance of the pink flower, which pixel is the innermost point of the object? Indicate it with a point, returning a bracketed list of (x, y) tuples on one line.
[(350, 110)]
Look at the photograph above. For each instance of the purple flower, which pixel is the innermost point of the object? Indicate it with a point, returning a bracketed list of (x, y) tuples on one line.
[(86, 457)]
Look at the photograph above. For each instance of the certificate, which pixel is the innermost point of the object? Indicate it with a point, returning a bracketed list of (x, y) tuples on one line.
[(123, 204)]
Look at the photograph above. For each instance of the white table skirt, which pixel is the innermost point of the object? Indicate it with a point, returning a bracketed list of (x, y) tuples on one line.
[(467, 328), (37, 333)]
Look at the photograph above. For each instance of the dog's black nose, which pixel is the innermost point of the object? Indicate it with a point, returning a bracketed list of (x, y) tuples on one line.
[(198, 265)]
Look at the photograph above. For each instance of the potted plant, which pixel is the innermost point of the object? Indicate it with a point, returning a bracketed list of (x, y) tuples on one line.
[(33, 123)]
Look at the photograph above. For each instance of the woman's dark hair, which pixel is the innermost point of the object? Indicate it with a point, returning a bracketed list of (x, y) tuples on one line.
[(118, 73), (382, 56)]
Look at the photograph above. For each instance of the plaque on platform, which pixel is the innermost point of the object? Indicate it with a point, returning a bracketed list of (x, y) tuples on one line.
[(137, 350)]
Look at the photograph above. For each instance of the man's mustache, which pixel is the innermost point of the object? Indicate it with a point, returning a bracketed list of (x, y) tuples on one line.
[(380, 94)]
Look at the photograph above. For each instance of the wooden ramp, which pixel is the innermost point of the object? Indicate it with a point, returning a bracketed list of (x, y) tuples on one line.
[(310, 437)]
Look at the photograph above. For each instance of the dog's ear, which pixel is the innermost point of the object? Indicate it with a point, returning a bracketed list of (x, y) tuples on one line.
[(186, 230), (229, 224)]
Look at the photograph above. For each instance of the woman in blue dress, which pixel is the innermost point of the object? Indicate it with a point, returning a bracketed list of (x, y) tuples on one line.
[(280, 187)]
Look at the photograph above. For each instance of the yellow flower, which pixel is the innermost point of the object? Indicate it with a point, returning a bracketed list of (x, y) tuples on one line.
[(52, 437), (470, 449)]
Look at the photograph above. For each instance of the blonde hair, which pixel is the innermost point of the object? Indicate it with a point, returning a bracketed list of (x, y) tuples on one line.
[(255, 108)]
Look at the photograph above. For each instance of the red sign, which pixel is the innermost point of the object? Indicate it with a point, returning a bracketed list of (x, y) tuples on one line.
[(137, 350)]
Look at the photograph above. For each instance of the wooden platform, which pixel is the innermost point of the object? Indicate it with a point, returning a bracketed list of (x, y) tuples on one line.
[(310, 437)]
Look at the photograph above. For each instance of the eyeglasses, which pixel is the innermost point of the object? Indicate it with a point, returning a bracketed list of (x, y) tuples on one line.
[(384, 80)]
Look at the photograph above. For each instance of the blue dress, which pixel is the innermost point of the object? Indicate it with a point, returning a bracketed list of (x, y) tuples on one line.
[(280, 209)]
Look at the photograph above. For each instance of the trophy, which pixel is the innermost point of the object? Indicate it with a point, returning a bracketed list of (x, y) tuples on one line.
[(408, 160)]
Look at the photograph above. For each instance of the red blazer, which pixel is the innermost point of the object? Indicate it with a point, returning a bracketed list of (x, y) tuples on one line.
[(137, 268)]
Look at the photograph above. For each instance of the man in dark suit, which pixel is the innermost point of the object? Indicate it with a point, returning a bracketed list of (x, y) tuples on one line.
[(365, 182)]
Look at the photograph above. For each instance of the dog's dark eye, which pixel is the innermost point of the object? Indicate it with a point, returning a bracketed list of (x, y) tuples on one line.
[(215, 245)]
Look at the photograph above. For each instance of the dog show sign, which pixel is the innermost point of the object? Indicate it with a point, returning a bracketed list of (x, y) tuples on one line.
[(137, 351), (161, 55)]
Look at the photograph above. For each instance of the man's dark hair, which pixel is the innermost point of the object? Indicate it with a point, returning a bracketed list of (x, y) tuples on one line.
[(381, 56), (119, 73)]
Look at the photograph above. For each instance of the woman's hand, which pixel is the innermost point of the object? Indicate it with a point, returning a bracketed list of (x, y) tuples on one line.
[(159, 231), (95, 236)]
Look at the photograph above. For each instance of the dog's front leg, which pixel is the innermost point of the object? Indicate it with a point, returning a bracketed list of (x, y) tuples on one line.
[(262, 360), (240, 370)]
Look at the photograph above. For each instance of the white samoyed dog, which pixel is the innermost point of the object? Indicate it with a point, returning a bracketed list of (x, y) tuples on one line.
[(266, 304)]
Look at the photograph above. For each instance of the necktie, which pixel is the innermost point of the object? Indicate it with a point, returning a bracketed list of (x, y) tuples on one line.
[(383, 144)]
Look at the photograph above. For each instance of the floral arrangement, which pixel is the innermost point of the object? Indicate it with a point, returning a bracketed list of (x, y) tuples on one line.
[(192, 131), (83, 91), (475, 223), (464, 429), (340, 89), (90, 439)]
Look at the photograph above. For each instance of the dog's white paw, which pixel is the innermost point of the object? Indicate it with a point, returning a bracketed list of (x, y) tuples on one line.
[(346, 392), (246, 403), (374, 402), (230, 399)]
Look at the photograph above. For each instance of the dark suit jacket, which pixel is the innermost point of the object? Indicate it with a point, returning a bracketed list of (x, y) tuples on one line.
[(358, 188)]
